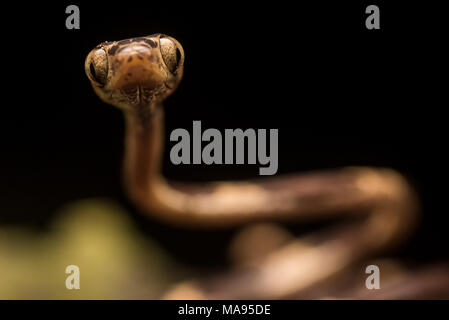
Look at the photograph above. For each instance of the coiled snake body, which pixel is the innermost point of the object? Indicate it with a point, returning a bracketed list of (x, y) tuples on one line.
[(136, 75)]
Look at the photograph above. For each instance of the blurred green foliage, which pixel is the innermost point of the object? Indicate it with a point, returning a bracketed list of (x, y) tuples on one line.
[(116, 261)]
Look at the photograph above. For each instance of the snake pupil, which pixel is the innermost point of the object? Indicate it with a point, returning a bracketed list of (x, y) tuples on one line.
[(170, 53), (92, 71), (178, 56), (97, 77)]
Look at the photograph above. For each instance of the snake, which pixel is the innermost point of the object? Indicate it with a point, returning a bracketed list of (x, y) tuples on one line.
[(378, 205)]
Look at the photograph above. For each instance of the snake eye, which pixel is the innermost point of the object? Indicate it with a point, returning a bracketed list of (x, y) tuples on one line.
[(171, 54), (97, 66)]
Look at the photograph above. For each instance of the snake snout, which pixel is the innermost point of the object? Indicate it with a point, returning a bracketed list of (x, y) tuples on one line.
[(137, 65)]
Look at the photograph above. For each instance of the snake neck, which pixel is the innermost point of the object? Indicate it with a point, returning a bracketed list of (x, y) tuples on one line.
[(336, 192), (144, 147)]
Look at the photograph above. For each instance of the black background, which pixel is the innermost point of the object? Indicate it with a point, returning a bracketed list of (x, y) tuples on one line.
[(338, 93)]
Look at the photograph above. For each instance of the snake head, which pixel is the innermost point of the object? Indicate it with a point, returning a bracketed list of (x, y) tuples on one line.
[(136, 73)]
